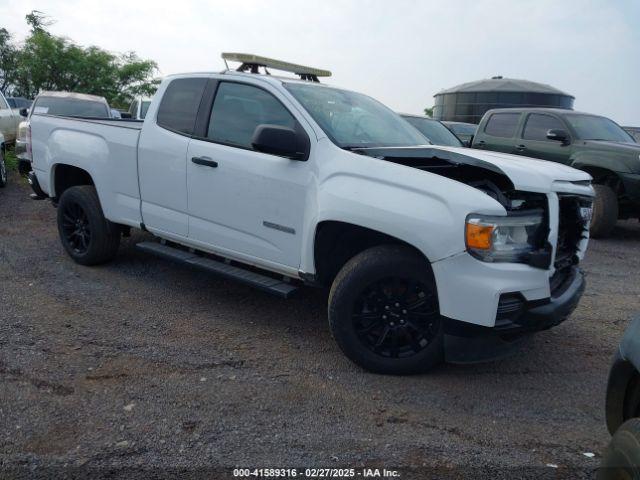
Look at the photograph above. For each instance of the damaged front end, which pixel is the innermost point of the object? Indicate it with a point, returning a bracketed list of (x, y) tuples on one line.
[(520, 237)]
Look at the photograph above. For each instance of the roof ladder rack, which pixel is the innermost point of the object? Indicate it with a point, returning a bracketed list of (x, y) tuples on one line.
[(253, 63)]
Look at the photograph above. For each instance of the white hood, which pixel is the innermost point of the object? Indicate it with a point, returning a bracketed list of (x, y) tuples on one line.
[(526, 173)]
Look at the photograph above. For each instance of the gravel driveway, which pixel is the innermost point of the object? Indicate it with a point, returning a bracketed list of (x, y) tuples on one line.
[(158, 369)]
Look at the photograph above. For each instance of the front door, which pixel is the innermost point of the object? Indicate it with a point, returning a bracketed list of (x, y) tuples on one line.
[(534, 142), (244, 203)]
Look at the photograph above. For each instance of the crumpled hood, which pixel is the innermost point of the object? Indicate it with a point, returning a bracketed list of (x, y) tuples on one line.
[(525, 173)]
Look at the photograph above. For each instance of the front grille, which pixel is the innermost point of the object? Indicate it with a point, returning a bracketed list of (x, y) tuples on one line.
[(572, 228)]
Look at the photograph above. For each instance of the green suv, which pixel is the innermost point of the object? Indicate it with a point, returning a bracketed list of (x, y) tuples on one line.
[(595, 144)]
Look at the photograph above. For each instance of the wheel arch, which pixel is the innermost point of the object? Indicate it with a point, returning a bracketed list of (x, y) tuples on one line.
[(336, 242), (64, 176)]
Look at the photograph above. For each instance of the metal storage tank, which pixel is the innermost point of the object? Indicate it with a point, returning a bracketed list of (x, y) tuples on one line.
[(469, 101)]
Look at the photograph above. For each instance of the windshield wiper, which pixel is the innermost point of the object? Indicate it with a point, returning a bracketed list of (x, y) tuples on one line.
[(351, 148)]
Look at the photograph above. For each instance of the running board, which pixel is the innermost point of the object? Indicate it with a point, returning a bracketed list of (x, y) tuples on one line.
[(263, 282)]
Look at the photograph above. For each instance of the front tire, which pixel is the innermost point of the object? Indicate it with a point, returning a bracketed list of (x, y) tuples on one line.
[(621, 458), (384, 314), (3, 171), (87, 236), (605, 212)]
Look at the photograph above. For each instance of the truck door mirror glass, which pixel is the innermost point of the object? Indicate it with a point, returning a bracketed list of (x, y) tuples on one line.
[(558, 135), (278, 140), (24, 112)]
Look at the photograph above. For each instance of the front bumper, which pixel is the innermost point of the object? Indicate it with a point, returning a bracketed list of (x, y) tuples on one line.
[(518, 316), (543, 314)]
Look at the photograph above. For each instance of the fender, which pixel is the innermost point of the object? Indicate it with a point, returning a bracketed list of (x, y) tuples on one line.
[(402, 198)]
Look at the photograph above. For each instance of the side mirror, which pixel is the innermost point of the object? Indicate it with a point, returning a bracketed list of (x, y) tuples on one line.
[(125, 115), (558, 135), (282, 141), (468, 143), (24, 112)]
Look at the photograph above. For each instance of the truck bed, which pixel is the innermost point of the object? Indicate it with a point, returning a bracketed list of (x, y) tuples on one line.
[(106, 148)]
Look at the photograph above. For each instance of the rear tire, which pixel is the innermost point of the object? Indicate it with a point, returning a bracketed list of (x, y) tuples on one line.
[(87, 236), (605, 212), (384, 314), (3, 171), (621, 458)]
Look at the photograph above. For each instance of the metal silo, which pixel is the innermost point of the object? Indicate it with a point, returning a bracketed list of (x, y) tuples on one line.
[(469, 101)]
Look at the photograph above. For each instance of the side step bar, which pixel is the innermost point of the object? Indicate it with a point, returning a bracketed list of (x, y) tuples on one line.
[(263, 282)]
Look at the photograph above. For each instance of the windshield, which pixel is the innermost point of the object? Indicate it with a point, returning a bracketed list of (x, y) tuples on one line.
[(590, 127), (144, 107), (70, 107), (353, 120), (434, 131)]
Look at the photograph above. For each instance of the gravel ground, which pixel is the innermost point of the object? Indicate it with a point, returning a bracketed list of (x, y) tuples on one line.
[(149, 367)]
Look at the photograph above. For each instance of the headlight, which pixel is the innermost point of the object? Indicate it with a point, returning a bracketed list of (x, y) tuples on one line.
[(504, 239)]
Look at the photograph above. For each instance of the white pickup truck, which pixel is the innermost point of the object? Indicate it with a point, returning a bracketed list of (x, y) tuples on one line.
[(278, 182)]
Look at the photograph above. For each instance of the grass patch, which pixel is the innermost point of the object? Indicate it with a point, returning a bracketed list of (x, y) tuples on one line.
[(10, 159)]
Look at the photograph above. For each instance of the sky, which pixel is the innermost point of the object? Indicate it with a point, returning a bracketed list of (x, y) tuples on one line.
[(400, 52)]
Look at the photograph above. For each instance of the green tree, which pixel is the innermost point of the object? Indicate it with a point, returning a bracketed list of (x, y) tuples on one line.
[(428, 111), (8, 54), (49, 62)]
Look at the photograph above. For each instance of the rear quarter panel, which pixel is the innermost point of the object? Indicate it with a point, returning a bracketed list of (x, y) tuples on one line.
[(106, 150)]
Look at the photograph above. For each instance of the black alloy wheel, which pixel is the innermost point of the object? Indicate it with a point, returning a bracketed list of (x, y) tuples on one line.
[(396, 317), (76, 228)]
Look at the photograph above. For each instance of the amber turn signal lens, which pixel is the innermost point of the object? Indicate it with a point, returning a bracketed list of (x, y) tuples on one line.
[(479, 236)]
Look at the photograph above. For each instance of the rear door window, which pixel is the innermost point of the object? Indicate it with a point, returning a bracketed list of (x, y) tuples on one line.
[(179, 106), (502, 125), (538, 125)]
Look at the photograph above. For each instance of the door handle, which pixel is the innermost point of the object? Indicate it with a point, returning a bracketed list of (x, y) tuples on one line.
[(481, 143), (521, 148), (206, 161)]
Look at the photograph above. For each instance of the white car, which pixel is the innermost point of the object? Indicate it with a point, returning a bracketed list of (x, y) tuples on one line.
[(312, 184), (9, 120)]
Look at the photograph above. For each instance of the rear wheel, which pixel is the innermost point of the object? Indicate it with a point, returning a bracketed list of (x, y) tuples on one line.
[(87, 236), (621, 458), (383, 311), (3, 170), (605, 211)]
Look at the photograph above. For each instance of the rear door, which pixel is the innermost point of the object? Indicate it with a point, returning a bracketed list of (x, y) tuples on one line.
[(499, 132), (534, 142), (244, 203), (162, 157)]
